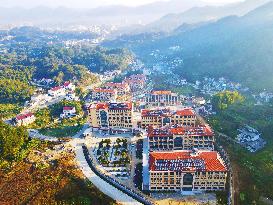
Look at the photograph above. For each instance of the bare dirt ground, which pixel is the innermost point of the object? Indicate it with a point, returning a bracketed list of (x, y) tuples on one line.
[(48, 176)]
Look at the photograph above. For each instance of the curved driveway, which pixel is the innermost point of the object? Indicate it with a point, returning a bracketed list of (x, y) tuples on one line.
[(103, 186)]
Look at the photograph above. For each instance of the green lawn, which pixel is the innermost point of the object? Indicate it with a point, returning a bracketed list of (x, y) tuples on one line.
[(66, 131)]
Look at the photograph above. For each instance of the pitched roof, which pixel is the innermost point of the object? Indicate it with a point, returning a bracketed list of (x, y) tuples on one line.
[(186, 161), (56, 88), (186, 112), (68, 108), (67, 83), (24, 116)]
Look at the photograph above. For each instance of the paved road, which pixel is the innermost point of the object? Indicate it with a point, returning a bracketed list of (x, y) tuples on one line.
[(103, 186)]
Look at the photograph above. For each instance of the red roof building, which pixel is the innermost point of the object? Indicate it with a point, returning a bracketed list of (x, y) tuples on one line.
[(187, 171)]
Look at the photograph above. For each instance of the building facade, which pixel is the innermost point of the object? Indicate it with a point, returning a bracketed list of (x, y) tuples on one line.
[(162, 98), (162, 117), (181, 138), (104, 95), (185, 171), (111, 116)]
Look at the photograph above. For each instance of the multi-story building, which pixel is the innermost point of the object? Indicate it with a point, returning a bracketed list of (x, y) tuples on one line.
[(186, 171), (122, 88), (104, 95), (162, 117), (24, 119), (162, 98), (136, 82), (111, 116), (181, 138)]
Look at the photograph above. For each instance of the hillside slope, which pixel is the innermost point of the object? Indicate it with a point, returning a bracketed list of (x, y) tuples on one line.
[(239, 48)]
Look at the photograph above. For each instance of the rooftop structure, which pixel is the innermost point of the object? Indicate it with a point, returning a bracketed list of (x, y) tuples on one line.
[(186, 171), (163, 117), (181, 138), (186, 161), (162, 98)]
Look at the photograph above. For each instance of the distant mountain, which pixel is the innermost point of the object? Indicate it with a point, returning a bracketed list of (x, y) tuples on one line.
[(238, 48), (117, 15), (203, 14)]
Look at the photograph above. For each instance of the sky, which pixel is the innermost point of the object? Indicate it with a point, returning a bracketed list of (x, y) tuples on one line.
[(88, 3)]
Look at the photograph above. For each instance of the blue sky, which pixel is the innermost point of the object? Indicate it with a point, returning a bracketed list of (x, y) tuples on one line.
[(87, 3)]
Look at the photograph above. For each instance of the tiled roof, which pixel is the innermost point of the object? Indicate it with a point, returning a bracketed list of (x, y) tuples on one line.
[(167, 112), (186, 161), (24, 116), (68, 108), (67, 83), (186, 112), (203, 130), (121, 106), (158, 132), (56, 88), (113, 106)]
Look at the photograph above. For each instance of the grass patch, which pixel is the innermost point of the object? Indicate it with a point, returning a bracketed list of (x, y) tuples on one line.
[(66, 131)]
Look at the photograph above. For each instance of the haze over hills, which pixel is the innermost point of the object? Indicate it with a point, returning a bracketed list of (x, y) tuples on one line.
[(239, 48), (108, 15), (203, 14)]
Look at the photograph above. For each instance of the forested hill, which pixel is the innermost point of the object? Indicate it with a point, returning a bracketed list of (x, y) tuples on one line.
[(21, 62), (239, 48)]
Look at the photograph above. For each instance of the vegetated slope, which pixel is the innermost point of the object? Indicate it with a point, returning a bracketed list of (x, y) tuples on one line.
[(62, 183), (239, 48)]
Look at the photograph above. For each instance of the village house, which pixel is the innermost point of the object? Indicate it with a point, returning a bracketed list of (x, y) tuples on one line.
[(162, 117), (111, 116), (24, 119), (68, 112), (187, 171), (69, 86), (56, 91)]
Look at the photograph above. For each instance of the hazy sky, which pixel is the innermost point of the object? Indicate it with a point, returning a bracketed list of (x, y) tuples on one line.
[(86, 3)]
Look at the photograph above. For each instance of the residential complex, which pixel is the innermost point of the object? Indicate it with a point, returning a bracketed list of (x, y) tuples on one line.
[(186, 171), (111, 116), (24, 119), (162, 98), (161, 117), (104, 95), (181, 138)]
